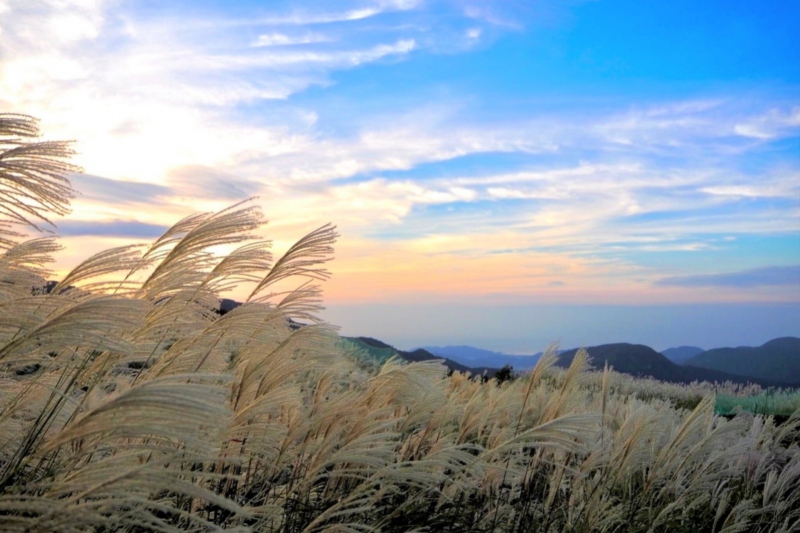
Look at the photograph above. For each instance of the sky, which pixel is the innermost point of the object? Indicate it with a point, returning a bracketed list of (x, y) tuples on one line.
[(502, 173)]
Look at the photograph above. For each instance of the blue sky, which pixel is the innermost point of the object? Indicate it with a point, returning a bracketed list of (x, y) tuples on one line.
[(498, 155)]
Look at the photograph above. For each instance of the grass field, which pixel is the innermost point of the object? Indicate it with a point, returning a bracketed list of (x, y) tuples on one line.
[(128, 404)]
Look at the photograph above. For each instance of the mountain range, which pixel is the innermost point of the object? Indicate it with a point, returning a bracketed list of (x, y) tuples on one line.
[(476, 357), (642, 361), (774, 364)]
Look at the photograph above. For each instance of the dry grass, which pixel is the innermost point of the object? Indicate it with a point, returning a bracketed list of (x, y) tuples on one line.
[(127, 404)]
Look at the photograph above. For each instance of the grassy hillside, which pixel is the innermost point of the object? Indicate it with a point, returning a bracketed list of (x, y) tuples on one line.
[(776, 360), (141, 408)]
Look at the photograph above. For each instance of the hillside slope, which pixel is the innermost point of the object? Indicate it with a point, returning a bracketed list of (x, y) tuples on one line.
[(776, 360)]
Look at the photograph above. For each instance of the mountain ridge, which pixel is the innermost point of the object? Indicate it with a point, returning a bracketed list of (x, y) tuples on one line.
[(776, 358), (643, 361), (632, 359), (776, 363)]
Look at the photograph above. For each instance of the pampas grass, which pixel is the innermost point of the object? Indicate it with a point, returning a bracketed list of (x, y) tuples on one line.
[(128, 404)]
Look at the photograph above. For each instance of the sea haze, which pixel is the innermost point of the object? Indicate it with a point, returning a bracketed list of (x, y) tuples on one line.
[(476, 357), (528, 329)]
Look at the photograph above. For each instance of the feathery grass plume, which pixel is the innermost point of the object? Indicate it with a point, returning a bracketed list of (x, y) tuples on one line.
[(174, 409), (89, 323), (136, 453), (304, 259), (560, 402), (102, 264), (302, 303), (23, 267), (162, 246), (33, 174), (245, 264), (184, 259)]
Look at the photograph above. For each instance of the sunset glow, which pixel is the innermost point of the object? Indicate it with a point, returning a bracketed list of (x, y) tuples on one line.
[(471, 153)]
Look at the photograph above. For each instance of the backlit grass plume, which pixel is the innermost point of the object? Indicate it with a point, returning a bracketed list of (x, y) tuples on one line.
[(128, 403), (33, 182)]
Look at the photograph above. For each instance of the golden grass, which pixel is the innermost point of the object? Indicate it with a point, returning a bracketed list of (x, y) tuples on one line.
[(129, 405)]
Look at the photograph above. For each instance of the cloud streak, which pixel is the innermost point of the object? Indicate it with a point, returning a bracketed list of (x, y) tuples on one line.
[(125, 229), (756, 277), (341, 115)]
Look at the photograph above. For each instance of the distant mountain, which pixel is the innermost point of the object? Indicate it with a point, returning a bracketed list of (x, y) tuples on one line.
[(420, 354), (643, 361), (777, 360), (476, 357), (775, 363), (680, 354)]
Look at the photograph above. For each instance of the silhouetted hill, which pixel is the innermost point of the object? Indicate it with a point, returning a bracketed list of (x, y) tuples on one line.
[(776, 360), (476, 357), (643, 361), (680, 354)]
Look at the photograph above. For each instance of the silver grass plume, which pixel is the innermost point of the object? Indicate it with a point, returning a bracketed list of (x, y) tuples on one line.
[(33, 177), (304, 259)]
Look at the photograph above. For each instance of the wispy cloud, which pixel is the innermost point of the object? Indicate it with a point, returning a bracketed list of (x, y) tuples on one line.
[(772, 124), (315, 110), (127, 229), (756, 277), (108, 191), (281, 39)]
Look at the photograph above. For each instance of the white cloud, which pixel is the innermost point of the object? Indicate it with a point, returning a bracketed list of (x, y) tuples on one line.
[(774, 123), (473, 33), (752, 191), (144, 95), (280, 39)]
